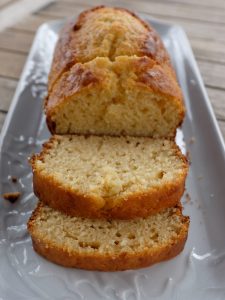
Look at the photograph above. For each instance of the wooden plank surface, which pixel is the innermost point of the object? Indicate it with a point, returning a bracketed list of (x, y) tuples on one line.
[(18, 9), (17, 41), (30, 23), (222, 128), (4, 3), (165, 8), (213, 73), (11, 63), (217, 98), (2, 118), (203, 21), (7, 88), (208, 3)]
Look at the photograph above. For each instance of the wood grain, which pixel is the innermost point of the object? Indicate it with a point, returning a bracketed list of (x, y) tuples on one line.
[(207, 3), (4, 3), (163, 8), (208, 50), (213, 73), (30, 23), (217, 98), (16, 41), (7, 88), (2, 119), (59, 10), (222, 128), (11, 64)]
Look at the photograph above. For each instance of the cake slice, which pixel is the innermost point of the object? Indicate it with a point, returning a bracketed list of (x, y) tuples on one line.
[(107, 245), (109, 177)]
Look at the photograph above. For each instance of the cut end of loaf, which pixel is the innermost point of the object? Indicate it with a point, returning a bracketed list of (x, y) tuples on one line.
[(107, 245), (131, 96)]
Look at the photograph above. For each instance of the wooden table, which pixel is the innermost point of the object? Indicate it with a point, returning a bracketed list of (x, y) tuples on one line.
[(203, 21)]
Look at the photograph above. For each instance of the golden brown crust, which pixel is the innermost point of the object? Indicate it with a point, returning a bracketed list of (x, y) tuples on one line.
[(70, 202), (156, 78), (140, 205), (74, 38), (70, 84), (106, 261)]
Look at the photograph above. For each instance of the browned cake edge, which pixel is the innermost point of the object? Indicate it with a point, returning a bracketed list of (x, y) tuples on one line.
[(106, 262), (51, 192)]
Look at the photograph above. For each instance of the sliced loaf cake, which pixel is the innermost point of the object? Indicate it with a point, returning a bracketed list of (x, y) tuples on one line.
[(107, 245)]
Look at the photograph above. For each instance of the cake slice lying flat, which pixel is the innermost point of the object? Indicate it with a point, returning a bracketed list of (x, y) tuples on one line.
[(107, 245), (109, 177)]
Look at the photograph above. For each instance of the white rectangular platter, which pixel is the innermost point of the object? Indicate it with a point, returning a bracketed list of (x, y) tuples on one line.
[(197, 273)]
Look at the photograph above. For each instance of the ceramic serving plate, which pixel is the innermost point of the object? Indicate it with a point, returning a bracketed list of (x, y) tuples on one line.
[(197, 273)]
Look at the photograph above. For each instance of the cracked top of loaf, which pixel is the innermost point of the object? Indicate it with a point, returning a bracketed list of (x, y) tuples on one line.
[(105, 32)]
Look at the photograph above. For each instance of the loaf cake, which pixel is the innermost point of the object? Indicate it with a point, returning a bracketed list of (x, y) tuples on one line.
[(107, 245), (109, 177), (111, 75)]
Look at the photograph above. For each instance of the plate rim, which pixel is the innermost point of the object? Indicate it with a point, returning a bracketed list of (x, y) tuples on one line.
[(192, 62)]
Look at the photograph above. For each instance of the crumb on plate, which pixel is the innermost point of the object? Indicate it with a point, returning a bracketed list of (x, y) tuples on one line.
[(14, 179), (12, 197), (192, 140)]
